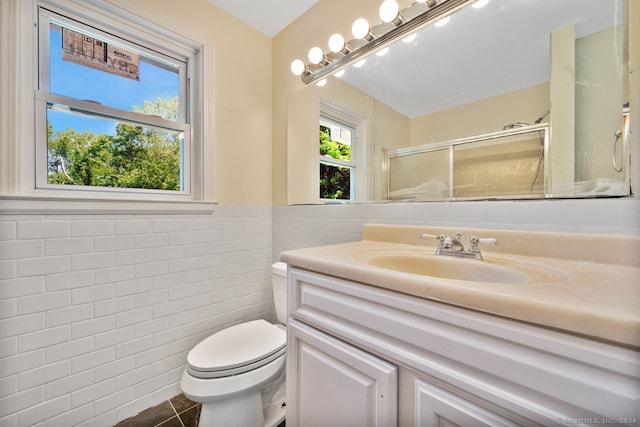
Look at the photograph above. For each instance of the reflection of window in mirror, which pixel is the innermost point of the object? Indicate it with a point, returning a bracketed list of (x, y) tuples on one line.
[(337, 165), (339, 159)]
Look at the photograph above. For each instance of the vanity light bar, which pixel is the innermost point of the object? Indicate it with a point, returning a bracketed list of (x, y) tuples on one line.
[(370, 39)]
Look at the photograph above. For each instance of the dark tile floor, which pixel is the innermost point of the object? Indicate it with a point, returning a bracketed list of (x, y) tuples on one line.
[(175, 412)]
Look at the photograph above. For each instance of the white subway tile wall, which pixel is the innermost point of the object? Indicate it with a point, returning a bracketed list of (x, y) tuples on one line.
[(97, 312)]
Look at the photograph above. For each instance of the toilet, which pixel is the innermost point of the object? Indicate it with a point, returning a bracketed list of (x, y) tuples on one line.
[(238, 373)]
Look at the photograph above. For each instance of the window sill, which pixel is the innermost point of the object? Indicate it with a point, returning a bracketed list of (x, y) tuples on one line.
[(12, 205)]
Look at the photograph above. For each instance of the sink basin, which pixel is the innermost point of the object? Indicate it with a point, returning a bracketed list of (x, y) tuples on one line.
[(497, 270)]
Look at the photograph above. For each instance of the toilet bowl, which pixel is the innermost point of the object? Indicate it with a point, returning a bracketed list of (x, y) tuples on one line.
[(238, 373)]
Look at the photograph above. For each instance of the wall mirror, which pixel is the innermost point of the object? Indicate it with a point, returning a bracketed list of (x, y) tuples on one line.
[(517, 99)]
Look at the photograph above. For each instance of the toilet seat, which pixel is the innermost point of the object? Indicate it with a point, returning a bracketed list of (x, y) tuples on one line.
[(236, 350)]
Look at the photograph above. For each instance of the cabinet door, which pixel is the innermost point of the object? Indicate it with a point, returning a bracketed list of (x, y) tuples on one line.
[(331, 383), (436, 407)]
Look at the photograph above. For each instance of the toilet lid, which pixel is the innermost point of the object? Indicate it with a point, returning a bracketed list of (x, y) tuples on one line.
[(237, 349)]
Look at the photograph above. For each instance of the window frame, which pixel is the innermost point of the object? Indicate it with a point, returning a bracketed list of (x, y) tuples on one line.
[(18, 66), (358, 175), (352, 164), (46, 15)]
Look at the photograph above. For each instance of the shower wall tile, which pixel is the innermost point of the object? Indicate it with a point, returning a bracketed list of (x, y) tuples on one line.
[(20, 401), (44, 411), (8, 230), (43, 338), (68, 384), (92, 228), (74, 245), (43, 266), (112, 243), (136, 256), (15, 249), (12, 288), (8, 269), (43, 229), (66, 281), (92, 261), (99, 311), (71, 418), (43, 375), (68, 315)]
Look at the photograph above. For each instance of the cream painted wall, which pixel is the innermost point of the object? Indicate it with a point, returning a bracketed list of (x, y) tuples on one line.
[(239, 153), (487, 115)]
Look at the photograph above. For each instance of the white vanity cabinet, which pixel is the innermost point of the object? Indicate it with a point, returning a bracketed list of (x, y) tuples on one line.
[(362, 355), (338, 384)]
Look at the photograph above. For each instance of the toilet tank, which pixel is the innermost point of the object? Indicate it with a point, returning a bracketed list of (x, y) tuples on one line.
[(279, 283)]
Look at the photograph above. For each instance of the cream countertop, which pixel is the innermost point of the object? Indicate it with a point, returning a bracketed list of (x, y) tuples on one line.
[(574, 283)]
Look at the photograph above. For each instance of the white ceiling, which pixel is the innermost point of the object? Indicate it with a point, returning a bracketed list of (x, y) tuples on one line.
[(267, 16)]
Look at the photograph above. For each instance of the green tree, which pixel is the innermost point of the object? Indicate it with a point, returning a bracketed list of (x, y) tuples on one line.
[(335, 181), (135, 157), (331, 148)]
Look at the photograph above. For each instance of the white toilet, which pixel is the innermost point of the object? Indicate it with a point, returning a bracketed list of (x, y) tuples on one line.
[(238, 373)]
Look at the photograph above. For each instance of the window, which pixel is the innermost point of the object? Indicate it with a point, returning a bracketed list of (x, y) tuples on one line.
[(337, 168), (342, 155), (113, 109)]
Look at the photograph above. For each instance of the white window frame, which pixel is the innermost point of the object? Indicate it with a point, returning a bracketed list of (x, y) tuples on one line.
[(22, 116), (43, 97), (358, 176)]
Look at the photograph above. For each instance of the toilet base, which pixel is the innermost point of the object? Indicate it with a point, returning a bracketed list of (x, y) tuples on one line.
[(244, 410), (258, 406), (273, 400), (247, 410)]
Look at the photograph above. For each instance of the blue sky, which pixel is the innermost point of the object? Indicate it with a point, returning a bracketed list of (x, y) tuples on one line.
[(78, 81)]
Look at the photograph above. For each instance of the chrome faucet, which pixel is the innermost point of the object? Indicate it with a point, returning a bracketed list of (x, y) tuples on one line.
[(453, 246)]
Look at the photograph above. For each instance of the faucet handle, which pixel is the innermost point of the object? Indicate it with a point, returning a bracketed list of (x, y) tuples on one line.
[(487, 240), (426, 236), (475, 241)]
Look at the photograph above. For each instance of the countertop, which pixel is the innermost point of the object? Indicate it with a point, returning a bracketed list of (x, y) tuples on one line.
[(582, 289)]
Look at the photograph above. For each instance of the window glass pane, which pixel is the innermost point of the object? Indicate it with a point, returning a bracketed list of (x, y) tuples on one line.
[(335, 182), (158, 83), (94, 151), (335, 140), (419, 175), (508, 165)]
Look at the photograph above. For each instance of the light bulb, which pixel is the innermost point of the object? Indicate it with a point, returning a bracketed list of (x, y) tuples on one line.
[(359, 63), (360, 28), (315, 55), (297, 67), (480, 3), (388, 10), (336, 43), (339, 73), (383, 51), (442, 22), (321, 83), (410, 38)]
